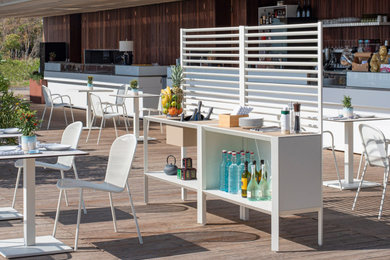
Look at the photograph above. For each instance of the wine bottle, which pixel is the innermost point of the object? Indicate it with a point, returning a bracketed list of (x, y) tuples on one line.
[(222, 178), (299, 10), (253, 187), (303, 15), (233, 182), (245, 178), (308, 9)]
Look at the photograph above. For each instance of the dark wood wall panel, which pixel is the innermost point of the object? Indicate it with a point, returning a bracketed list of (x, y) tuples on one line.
[(56, 29)]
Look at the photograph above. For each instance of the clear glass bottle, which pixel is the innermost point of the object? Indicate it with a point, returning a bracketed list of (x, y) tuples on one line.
[(227, 165), (239, 157), (251, 159), (241, 166), (245, 179), (234, 176), (247, 156), (264, 185), (253, 187), (222, 170)]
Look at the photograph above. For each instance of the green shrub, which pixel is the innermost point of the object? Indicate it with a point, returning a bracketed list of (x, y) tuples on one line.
[(18, 71)]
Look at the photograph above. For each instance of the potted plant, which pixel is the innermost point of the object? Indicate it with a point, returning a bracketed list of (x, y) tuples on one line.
[(36, 82), (28, 124), (90, 82), (348, 109), (134, 86), (52, 56)]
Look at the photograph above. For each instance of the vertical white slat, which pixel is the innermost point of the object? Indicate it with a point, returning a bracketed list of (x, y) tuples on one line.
[(320, 77), (242, 64), (182, 35)]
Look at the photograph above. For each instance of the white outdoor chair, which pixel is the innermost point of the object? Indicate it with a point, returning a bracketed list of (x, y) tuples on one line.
[(375, 151), (119, 102), (334, 155), (98, 111), (157, 110), (49, 102), (70, 136), (118, 169)]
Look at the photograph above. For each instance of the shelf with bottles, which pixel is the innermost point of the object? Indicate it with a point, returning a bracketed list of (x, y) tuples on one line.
[(357, 24), (172, 179)]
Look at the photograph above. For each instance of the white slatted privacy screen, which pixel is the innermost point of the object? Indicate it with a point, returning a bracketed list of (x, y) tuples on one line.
[(264, 67)]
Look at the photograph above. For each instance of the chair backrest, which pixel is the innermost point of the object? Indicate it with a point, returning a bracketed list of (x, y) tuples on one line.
[(70, 136), (120, 159), (97, 107), (374, 145), (122, 90), (47, 96)]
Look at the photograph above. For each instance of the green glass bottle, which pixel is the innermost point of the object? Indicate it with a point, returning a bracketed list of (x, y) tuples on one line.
[(264, 184), (245, 179)]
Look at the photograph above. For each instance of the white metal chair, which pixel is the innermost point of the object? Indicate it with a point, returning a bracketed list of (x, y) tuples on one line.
[(334, 155), (375, 151), (98, 111), (118, 169), (70, 136), (49, 102), (119, 102), (157, 110)]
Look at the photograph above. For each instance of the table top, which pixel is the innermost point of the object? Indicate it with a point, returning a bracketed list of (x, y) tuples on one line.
[(140, 95), (43, 154), (9, 135), (360, 119), (95, 90)]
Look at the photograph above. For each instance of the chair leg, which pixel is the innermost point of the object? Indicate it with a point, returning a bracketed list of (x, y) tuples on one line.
[(51, 112), (134, 215), (66, 119), (57, 213), (384, 192), (16, 186), (71, 112), (360, 185), (43, 116), (66, 195), (77, 177), (148, 121), (337, 168), (100, 130), (78, 221), (116, 131), (360, 165), (90, 128), (112, 211)]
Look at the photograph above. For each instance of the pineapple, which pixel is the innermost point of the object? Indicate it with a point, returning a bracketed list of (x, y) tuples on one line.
[(177, 79)]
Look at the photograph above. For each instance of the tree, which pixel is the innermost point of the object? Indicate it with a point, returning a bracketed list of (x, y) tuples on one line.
[(12, 44)]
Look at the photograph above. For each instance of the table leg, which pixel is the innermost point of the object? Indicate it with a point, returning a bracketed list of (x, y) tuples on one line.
[(146, 185), (88, 114), (348, 152), (29, 201), (183, 190), (136, 117)]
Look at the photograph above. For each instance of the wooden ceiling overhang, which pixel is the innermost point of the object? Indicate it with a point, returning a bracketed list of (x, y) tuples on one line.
[(46, 8)]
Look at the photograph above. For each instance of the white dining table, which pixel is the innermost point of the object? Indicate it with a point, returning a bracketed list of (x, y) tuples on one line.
[(88, 116), (137, 110), (30, 244), (9, 213), (349, 183)]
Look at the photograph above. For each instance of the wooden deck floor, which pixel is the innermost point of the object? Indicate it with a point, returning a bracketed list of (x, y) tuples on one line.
[(168, 225)]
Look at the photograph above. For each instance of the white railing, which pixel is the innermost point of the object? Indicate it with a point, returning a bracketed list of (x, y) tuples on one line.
[(264, 67)]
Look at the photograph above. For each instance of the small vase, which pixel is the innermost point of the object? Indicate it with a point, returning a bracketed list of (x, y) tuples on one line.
[(29, 143), (348, 112), (135, 91), (90, 85)]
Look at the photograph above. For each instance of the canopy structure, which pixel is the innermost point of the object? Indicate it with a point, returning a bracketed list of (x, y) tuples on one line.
[(45, 8)]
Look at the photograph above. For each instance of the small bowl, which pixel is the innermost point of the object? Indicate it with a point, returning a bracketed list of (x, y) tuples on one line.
[(250, 122)]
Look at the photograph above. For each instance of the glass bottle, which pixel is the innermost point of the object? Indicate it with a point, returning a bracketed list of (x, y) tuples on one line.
[(299, 10), (297, 118), (264, 185), (222, 170), (251, 159), (247, 156), (233, 181), (241, 166), (227, 165), (239, 157), (245, 179), (253, 187)]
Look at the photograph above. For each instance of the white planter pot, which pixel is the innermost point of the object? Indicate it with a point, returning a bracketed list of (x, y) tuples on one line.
[(28, 143), (135, 92), (90, 86), (348, 112)]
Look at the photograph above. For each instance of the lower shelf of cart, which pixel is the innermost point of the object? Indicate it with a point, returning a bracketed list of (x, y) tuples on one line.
[(172, 179), (262, 206)]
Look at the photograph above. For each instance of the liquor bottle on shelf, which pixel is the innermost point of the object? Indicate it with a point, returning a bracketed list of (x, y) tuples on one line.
[(259, 173), (227, 165), (222, 170), (241, 166), (233, 181), (239, 158), (247, 156), (245, 179), (253, 187), (299, 10), (303, 15), (264, 184), (308, 9), (251, 159)]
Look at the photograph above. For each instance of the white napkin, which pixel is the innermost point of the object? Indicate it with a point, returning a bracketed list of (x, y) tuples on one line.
[(15, 152)]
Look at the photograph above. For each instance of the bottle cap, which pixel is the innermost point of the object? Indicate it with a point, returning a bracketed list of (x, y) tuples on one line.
[(254, 162), (252, 153), (230, 152), (234, 153), (242, 153), (285, 111), (262, 161), (297, 107), (224, 151)]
